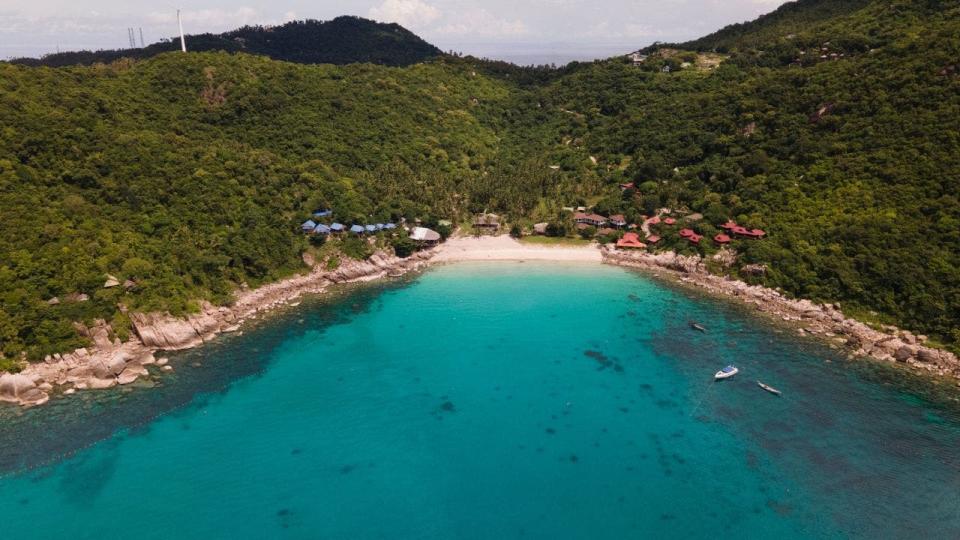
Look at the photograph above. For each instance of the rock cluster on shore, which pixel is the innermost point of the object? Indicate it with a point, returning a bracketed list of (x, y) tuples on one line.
[(826, 320), (108, 363)]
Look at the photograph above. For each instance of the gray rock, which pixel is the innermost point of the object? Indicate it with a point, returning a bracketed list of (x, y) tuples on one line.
[(904, 353)]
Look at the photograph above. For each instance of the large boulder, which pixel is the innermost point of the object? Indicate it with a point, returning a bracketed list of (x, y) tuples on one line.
[(131, 373), (12, 385), (904, 353), (18, 388), (928, 356), (167, 332)]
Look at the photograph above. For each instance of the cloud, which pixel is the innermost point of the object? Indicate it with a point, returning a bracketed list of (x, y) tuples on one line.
[(481, 23), (209, 19), (408, 13)]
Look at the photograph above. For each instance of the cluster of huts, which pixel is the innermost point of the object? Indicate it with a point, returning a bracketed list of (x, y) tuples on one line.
[(311, 226), (422, 235), (631, 240)]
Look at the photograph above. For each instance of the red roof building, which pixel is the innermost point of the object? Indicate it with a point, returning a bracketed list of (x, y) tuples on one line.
[(655, 220), (628, 185), (749, 233), (653, 239), (669, 221), (617, 220), (721, 239), (694, 238), (630, 241), (729, 225), (687, 233)]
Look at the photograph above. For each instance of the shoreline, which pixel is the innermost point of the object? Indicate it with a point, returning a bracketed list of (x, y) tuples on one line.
[(823, 321), (107, 363)]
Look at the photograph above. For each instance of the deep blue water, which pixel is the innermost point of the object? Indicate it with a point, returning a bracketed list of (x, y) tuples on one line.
[(493, 400)]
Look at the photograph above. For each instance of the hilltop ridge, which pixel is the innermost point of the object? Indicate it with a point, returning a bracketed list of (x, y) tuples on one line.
[(343, 40)]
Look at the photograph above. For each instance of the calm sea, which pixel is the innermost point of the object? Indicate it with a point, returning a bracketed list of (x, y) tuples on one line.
[(492, 400)]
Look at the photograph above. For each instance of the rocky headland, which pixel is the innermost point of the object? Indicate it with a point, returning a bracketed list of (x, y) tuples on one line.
[(107, 363), (889, 344)]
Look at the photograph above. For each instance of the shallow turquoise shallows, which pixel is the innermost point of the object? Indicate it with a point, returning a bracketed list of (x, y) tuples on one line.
[(492, 400)]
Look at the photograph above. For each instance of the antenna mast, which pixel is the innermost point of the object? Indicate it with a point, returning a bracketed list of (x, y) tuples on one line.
[(183, 41)]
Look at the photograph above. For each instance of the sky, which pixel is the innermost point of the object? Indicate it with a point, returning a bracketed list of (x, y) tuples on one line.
[(515, 30)]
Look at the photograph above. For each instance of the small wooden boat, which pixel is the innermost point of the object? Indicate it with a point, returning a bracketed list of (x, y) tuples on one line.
[(769, 388), (698, 326), (395, 274), (726, 373)]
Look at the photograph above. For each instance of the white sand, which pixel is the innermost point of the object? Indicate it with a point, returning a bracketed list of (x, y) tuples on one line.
[(505, 248)]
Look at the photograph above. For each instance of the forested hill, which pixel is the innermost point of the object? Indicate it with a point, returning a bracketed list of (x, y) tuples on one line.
[(185, 176), (787, 20), (344, 40)]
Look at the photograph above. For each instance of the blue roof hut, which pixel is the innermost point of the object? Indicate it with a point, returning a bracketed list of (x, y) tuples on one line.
[(308, 225)]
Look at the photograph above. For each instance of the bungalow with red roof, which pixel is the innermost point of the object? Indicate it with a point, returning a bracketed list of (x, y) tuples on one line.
[(630, 241), (721, 239), (748, 233), (729, 225), (694, 238), (617, 220), (655, 220), (653, 239), (669, 221), (686, 233)]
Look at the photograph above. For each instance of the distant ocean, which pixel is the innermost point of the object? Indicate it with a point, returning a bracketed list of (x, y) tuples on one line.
[(548, 53), (492, 400)]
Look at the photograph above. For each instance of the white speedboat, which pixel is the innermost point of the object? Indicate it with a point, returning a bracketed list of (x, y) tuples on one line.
[(726, 373)]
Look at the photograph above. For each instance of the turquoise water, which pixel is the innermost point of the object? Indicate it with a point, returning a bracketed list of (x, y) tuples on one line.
[(493, 400)]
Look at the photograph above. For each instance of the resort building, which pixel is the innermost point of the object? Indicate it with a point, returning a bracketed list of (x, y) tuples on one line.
[(357, 229), (425, 236), (748, 233), (690, 235), (630, 241), (321, 229), (653, 239), (617, 220), (721, 239), (322, 213), (669, 221), (308, 225), (489, 222), (337, 227), (589, 219)]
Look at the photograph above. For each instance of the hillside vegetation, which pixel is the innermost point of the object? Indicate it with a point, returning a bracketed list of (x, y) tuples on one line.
[(835, 126), (343, 40)]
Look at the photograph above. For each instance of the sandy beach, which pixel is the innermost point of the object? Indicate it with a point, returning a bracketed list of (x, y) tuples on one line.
[(505, 248)]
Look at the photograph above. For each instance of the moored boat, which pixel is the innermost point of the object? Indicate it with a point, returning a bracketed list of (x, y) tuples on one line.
[(769, 388), (698, 326), (726, 373)]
